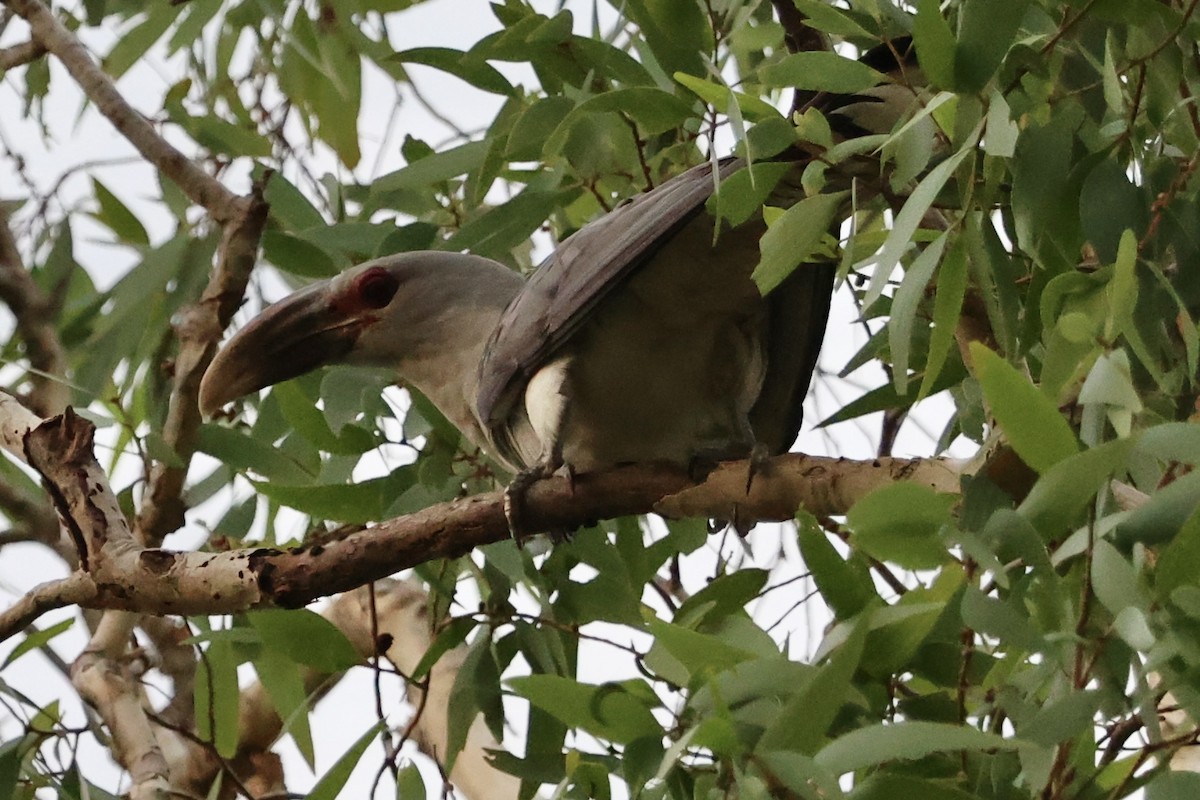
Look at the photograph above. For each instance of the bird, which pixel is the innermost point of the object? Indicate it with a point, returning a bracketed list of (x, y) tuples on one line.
[(641, 338)]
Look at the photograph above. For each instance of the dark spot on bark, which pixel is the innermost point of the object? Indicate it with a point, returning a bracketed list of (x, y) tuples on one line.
[(266, 578), (157, 562), (261, 553), (382, 643)]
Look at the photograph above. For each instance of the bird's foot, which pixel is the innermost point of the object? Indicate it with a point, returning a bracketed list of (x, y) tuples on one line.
[(759, 460), (518, 488), (706, 460)]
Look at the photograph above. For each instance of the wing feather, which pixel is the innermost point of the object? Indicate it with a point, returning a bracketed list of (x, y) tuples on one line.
[(577, 276)]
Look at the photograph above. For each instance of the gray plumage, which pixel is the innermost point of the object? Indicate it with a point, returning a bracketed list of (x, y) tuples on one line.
[(641, 338)]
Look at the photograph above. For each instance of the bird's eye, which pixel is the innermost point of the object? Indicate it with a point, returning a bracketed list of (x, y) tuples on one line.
[(376, 287)]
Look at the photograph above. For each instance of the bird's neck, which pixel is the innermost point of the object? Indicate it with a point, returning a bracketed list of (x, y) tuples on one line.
[(444, 369), (446, 345)]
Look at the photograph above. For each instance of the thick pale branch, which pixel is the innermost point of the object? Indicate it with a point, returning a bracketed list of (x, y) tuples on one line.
[(104, 678), (198, 185)]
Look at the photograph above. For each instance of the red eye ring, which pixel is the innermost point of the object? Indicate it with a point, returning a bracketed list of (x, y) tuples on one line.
[(376, 287)]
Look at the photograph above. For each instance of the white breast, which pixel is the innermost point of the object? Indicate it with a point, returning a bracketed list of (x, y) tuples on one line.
[(546, 402)]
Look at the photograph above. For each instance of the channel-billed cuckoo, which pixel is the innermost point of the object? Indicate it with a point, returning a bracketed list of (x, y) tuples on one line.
[(641, 338)]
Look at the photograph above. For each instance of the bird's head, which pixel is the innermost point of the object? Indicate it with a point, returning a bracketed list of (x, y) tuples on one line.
[(324, 323), (425, 315)]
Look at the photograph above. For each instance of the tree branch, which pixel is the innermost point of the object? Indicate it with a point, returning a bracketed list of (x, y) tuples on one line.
[(103, 677), (35, 323), (199, 328), (118, 574), (405, 627), (199, 186), (20, 54)]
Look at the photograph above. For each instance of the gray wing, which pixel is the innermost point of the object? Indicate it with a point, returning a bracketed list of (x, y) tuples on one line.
[(578, 275)]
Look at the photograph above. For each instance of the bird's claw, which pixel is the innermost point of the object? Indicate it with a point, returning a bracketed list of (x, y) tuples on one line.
[(517, 489), (758, 461)]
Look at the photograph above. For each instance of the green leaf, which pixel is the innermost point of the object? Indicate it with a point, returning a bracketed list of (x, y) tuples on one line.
[(904, 309), (820, 71), (654, 110), (476, 687), (1109, 205), (700, 654), (885, 397), (337, 94), (676, 31), (890, 786), (728, 594), (11, 756), (947, 309), (909, 219), (1174, 786), (306, 638), (247, 453), (289, 206), (805, 718), (284, 684), (794, 237), (473, 70), (986, 31), (999, 619), (36, 639), (409, 784), (1062, 719), (1032, 423), (218, 698), (899, 522), (832, 19), (1063, 491), (117, 216), (363, 501), (1163, 516), (531, 130), (433, 169), (135, 42), (742, 194), (1115, 580), (309, 421), (497, 232), (357, 240), (878, 744), (334, 780), (935, 44), (724, 99), (610, 711), (845, 584), (220, 136)]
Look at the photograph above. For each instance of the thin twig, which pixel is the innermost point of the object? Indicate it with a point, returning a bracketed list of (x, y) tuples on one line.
[(35, 323), (198, 185), (20, 54)]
